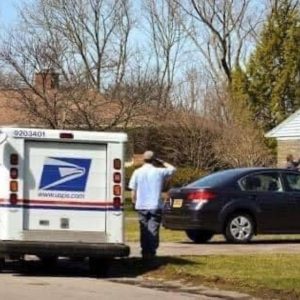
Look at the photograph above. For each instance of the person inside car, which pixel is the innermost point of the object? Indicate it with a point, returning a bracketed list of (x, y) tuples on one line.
[(291, 164)]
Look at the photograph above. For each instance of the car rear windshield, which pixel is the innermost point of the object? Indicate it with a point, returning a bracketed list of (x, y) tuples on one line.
[(214, 180)]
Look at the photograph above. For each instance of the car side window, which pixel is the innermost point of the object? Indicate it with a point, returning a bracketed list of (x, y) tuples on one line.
[(261, 182), (293, 181)]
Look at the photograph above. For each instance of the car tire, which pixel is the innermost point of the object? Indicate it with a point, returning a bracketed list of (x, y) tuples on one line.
[(199, 236), (239, 228)]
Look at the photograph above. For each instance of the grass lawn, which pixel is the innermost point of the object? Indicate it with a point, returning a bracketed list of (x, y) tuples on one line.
[(275, 276), (132, 230), (256, 274)]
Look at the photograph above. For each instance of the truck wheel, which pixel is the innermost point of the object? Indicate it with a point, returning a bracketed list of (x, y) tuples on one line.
[(199, 236), (2, 264), (48, 261), (239, 228), (77, 258), (99, 267)]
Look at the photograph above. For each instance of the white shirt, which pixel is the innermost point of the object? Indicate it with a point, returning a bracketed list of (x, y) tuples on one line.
[(147, 181)]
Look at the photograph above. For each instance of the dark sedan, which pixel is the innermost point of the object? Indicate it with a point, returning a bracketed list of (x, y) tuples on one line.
[(238, 203)]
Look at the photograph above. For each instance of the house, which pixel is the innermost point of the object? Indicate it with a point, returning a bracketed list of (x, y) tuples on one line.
[(64, 107), (8, 115), (70, 107), (287, 135), (11, 111)]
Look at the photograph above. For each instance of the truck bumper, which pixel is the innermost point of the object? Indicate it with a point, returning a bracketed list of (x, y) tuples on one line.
[(69, 249)]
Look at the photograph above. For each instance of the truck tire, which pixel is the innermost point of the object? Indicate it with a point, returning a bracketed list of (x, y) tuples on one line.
[(77, 258), (48, 262), (99, 267), (199, 236), (2, 264)]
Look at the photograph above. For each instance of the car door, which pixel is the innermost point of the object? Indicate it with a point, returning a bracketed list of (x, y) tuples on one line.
[(292, 186), (276, 211)]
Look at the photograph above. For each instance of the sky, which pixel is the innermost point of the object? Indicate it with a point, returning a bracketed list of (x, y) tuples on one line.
[(8, 16), (7, 11)]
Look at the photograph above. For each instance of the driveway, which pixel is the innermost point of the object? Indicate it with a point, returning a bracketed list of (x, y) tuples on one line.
[(56, 287), (71, 280), (223, 248)]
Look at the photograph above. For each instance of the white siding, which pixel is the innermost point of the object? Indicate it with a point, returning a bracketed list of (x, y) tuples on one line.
[(289, 128)]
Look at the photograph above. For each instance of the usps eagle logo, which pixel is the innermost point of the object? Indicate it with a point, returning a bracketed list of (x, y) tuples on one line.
[(65, 174)]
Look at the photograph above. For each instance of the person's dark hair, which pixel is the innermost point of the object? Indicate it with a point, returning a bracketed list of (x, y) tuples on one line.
[(289, 157)]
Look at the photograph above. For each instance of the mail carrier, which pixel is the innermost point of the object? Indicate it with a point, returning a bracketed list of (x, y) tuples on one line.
[(61, 194)]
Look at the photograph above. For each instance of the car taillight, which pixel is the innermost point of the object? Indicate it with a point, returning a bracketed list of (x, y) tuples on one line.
[(201, 195)]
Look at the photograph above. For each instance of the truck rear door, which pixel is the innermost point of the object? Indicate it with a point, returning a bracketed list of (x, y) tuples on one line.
[(65, 191)]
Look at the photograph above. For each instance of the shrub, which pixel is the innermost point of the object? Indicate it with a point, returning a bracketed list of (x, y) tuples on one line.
[(182, 176), (186, 139), (128, 173)]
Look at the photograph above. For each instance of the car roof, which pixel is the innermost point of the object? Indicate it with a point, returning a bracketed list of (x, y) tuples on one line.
[(226, 177), (239, 172), (253, 169)]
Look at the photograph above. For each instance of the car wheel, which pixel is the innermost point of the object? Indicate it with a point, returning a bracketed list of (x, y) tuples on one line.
[(239, 228), (199, 236)]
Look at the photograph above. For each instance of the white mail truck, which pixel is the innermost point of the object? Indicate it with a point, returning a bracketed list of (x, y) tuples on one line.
[(61, 194)]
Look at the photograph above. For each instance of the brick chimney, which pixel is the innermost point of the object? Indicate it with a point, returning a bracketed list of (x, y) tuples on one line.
[(46, 79)]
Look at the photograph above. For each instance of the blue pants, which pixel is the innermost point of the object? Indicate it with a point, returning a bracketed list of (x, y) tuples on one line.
[(149, 230)]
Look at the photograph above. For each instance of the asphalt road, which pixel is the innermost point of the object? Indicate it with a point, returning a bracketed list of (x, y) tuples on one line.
[(72, 280), (48, 288), (30, 280)]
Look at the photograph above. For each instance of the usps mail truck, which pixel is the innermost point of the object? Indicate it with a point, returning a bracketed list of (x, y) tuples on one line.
[(61, 194)]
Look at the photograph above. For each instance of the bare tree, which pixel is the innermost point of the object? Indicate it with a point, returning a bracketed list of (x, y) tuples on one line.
[(189, 140), (220, 30), (85, 43), (274, 4), (242, 146), (191, 91), (167, 41), (240, 141)]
